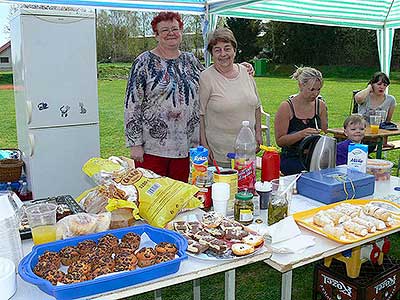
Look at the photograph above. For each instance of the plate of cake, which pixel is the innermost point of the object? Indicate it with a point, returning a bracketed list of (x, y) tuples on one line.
[(213, 237)]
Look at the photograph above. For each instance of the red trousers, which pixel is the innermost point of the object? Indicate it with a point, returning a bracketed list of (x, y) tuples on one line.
[(175, 168)]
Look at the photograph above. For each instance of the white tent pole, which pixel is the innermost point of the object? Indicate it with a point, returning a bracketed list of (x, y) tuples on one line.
[(385, 44)]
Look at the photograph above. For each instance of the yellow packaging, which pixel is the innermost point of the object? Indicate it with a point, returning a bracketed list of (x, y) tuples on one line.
[(160, 198)]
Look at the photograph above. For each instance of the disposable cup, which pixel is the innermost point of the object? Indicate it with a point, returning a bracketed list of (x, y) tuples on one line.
[(42, 221), (220, 193), (374, 122), (264, 191)]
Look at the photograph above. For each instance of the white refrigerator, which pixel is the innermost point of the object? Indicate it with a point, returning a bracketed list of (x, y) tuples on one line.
[(55, 87)]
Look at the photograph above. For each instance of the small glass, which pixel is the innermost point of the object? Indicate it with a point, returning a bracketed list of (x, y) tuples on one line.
[(374, 122), (382, 114)]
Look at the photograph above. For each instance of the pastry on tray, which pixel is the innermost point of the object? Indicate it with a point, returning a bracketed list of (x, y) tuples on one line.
[(101, 271), (125, 262), (146, 257), (131, 238), (212, 219), (81, 267), (241, 249), (54, 276), (166, 248), (253, 240), (86, 246), (68, 255), (51, 257), (195, 247)]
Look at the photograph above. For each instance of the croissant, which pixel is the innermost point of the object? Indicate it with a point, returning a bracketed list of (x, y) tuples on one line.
[(377, 212), (336, 216), (380, 225), (355, 228), (370, 226), (337, 231), (349, 209), (321, 219)]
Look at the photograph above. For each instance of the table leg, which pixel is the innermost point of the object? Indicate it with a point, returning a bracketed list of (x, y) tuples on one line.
[(286, 288), (196, 289), (230, 285), (379, 147), (157, 295)]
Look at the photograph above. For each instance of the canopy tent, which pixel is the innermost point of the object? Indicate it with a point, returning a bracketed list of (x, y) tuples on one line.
[(380, 15)]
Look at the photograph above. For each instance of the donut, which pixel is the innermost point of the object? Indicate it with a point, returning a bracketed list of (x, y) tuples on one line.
[(240, 249), (253, 240)]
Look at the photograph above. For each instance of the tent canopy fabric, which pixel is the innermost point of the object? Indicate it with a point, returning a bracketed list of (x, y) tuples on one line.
[(380, 15)]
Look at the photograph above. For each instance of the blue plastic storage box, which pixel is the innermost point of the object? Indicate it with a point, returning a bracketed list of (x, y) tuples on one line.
[(335, 184), (105, 283)]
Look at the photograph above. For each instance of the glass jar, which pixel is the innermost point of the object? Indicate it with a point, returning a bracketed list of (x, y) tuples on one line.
[(277, 207), (244, 208)]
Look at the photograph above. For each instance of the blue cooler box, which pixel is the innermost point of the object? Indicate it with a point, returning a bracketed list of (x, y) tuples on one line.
[(335, 184), (104, 283)]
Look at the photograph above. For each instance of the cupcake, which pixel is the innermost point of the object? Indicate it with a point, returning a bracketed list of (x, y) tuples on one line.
[(109, 241), (132, 239), (86, 246), (51, 257), (80, 267), (125, 262), (166, 248), (68, 255), (146, 257)]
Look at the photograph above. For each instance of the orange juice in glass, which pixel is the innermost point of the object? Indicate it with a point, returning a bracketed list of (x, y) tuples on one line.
[(42, 221), (374, 122)]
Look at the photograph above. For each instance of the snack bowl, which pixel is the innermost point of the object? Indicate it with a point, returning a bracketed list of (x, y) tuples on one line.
[(111, 281), (380, 168)]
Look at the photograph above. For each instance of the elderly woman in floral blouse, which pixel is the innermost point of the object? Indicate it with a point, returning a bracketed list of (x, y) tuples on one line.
[(162, 102)]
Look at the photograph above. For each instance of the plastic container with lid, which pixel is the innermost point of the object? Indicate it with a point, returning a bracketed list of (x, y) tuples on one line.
[(380, 168), (244, 207)]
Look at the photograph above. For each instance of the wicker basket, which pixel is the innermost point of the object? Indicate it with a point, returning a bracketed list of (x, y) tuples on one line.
[(11, 169)]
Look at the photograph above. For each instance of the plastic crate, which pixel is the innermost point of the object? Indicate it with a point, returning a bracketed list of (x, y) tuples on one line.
[(376, 282), (110, 282)]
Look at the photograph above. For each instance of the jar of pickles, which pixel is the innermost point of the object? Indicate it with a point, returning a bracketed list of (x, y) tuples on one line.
[(243, 208)]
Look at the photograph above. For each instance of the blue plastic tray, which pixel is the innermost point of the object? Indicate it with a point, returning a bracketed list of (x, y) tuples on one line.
[(107, 283), (330, 185)]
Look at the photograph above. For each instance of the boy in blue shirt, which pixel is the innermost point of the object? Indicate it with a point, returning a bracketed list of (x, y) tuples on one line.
[(354, 129)]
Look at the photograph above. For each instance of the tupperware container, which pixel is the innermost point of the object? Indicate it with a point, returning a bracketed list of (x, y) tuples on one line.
[(335, 184), (104, 283), (379, 168)]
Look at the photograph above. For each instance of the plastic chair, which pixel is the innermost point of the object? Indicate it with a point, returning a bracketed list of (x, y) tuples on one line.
[(266, 128), (353, 104)]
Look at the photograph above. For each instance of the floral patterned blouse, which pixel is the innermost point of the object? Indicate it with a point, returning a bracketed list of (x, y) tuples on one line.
[(162, 104)]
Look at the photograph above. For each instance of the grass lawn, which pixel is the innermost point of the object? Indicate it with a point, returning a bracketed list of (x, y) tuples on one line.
[(256, 281)]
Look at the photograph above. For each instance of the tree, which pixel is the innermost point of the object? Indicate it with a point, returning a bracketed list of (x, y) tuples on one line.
[(246, 32)]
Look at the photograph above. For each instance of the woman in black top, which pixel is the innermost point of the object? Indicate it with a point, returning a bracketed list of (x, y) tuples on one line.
[(300, 116)]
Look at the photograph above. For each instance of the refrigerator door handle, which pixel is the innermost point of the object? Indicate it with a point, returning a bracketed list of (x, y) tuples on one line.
[(31, 144), (29, 111)]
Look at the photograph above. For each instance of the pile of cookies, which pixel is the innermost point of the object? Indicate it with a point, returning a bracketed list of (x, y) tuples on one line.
[(218, 236), (89, 259)]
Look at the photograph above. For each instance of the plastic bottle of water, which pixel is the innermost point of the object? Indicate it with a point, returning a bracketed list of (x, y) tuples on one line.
[(245, 158)]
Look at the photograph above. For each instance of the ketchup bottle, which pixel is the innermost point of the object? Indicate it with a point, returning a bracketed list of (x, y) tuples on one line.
[(270, 163)]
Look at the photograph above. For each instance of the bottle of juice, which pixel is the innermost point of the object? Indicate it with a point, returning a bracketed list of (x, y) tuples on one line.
[(245, 158)]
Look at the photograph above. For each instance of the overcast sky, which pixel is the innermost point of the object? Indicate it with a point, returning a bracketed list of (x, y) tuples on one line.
[(3, 19)]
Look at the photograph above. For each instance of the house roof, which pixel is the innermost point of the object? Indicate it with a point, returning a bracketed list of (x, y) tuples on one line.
[(5, 46)]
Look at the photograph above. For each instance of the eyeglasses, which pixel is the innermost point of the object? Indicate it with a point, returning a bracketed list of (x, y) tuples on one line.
[(166, 31)]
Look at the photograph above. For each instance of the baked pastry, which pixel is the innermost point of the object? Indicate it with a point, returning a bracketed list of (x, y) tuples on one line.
[(131, 238), (125, 262), (75, 277), (109, 241), (201, 234), (125, 247), (235, 234), (355, 228), (146, 257), (101, 271), (180, 226), (166, 248), (163, 258), (215, 245), (86, 246), (377, 212), (229, 224), (54, 276), (218, 233), (241, 249), (105, 261), (212, 219), (195, 247), (43, 267), (80, 267), (253, 240), (68, 255), (82, 223), (51, 257)]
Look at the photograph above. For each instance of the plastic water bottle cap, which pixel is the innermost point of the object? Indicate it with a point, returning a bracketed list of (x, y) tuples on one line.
[(245, 123)]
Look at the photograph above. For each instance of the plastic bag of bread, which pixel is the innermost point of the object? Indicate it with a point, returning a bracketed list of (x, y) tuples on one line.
[(160, 198), (123, 213), (82, 223)]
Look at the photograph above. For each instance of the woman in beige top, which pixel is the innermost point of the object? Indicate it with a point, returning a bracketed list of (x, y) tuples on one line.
[(228, 96)]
